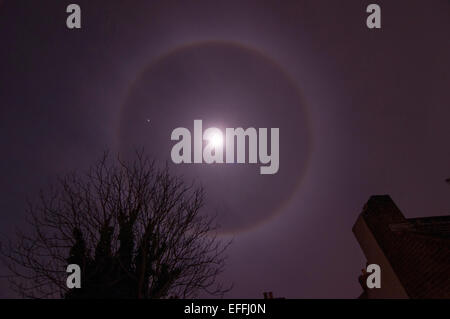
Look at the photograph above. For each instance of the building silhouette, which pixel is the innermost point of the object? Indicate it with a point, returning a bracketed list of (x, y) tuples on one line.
[(269, 295), (413, 253)]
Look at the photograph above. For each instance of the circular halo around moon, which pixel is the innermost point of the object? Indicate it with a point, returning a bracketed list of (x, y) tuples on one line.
[(225, 85)]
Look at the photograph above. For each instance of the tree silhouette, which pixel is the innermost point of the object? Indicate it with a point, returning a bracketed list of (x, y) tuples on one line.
[(135, 230)]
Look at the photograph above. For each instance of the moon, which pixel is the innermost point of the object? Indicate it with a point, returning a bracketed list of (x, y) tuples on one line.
[(216, 139), (225, 84)]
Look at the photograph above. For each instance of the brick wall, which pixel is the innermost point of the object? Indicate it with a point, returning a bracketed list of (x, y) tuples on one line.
[(420, 261)]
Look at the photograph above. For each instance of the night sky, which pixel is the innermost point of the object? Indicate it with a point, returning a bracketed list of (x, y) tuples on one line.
[(360, 112)]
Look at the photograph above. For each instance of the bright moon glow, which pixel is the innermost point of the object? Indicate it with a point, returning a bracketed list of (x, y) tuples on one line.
[(216, 139)]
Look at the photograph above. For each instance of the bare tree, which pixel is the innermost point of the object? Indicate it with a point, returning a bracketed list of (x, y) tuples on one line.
[(135, 230)]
